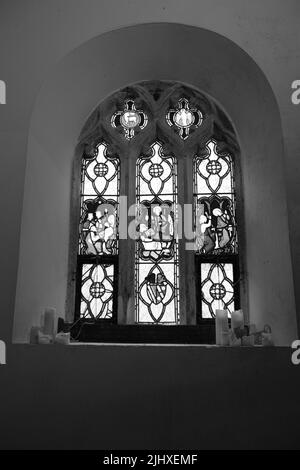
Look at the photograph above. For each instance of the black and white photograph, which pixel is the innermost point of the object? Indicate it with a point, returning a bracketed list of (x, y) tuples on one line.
[(150, 241)]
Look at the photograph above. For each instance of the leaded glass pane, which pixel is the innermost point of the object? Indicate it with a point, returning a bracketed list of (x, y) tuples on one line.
[(97, 291), (184, 119), (100, 175), (98, 234), (99, 204), (130, 119), (157, 299), (214, 203), (217, 288), (156, 276)]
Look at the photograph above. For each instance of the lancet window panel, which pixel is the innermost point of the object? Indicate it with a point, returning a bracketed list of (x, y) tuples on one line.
[(98, 245), (216, 240), (156, 258), (214, 203), (217, 288)]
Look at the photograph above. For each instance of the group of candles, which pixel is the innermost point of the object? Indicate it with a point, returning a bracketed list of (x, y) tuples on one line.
[(46, 333), (225, 337), (240, 333)]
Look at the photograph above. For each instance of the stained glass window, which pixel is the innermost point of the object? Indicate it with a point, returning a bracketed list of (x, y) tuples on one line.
[(175, 137), (98, 233), (156, 270), (215, 228)]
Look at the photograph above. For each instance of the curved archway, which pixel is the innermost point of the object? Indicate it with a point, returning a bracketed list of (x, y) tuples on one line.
[(89, 74)]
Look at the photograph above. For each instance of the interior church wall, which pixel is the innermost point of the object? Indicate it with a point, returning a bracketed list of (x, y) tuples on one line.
[(60, 110)]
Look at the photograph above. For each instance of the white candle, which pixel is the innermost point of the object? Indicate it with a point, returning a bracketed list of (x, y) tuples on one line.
[(237, 319), (49, 319), (130, 311), (62, 338), (267, 339), (222, 328), (44, 339), (121, 313), (34, 334)]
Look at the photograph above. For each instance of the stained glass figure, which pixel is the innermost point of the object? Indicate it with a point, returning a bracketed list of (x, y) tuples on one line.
[(98, 231), (130, 119), (156, 230), (214, 203), (97, 291), (99, 203), (98, 234), (157, 293), (184, 118), (217, 288), (156, 279)]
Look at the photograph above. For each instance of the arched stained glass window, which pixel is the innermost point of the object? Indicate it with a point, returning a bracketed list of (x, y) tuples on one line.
[(216, 232), (178, 155), (98, 234), (156, 277)]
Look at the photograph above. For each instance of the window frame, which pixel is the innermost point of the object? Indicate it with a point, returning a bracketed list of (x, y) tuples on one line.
[(196, 328)]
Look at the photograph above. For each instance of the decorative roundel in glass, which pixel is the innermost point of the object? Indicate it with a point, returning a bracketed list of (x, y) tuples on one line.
[(131, 119), (101, 169), (184, 118), (97, 290), (156, 170), (217, 291), (214, 167)]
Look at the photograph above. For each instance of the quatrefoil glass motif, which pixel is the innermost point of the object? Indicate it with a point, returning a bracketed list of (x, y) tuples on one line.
[(130, 119), (184, 118)]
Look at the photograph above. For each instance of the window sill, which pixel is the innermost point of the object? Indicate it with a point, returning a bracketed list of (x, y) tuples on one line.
[(102, 332), (166, 345), (147, 345)]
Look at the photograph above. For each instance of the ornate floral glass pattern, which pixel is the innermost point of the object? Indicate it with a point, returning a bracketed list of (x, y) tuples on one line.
[(98, 232), (184, 118), (130, 119), (97, 291), (156, 277), (215, 229), (99, 203), (217, 287), (214, 203)]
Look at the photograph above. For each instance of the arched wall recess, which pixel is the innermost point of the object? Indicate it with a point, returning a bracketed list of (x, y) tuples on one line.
[(103, 65)]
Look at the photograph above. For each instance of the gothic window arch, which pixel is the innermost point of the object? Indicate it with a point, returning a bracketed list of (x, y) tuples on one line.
[(173, 154)]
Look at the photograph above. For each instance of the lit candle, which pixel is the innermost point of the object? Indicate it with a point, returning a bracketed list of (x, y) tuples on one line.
[(49, 318), (222, 328)]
